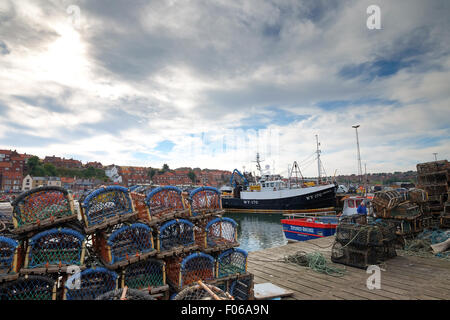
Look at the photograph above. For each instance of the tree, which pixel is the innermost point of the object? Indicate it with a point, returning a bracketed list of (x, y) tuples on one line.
[(50, 170), (191, 175), (165, 167), (32, 163), (151, 173)]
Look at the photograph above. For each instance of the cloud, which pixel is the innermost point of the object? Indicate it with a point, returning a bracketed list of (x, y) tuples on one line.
[(201, 83)]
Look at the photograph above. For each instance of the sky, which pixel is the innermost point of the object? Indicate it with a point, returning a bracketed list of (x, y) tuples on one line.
[(209, 83)]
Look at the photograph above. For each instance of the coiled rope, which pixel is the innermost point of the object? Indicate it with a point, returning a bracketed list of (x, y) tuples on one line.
[(315, 261)]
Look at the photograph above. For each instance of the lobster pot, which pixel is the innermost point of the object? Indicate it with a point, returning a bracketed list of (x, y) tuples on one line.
[(408, 226), (89, 284), (130, 294), (194, 267), (405, 210), (354, 257), (59, 247), (124, 243), (109, 204), (417, 196), (230, 262), (42, 207), (242, 288), (164, 203), (197, 292), (29, 288), (387, 199), (9, 256), (204, 200), (174, 234), (140, 206), (6, 210), (220, 232), (445, 221), (144, 274)]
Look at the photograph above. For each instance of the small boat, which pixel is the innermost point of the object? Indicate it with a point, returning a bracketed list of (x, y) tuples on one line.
[(302, 229)]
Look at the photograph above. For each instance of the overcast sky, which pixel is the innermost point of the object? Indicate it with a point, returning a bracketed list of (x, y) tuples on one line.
[(210, 83)]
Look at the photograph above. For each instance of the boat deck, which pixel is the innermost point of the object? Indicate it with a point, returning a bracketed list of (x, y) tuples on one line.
[(404, 278)]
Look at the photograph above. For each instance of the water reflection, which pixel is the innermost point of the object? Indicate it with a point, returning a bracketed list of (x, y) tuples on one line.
[(257, 231)]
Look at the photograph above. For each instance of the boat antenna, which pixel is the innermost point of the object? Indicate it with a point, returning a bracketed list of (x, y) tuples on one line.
[(258, 164), (318, 160)]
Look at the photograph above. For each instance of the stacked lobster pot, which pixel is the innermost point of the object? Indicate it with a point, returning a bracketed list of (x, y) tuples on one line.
[(195, 242), (434, 178), (405, 211), (361, 245), (42, 243)]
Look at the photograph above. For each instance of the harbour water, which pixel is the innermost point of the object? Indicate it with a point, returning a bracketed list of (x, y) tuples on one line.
[(258, 231)]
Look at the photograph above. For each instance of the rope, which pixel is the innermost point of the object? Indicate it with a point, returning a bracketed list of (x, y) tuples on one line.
[(315, 261)]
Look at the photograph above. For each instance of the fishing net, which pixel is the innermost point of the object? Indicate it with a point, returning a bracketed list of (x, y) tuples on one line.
[(90, 283), (42, 206), (126, 242), (9, 250), (221, 231), (130, 294), (242, 288), (165, 202), (194, 267), (174, 234), (105, 204), (198, 292), (421, 245), (56, 247), (144, 274), (316, 261), (29, 288), (204, 200), (231, 262)]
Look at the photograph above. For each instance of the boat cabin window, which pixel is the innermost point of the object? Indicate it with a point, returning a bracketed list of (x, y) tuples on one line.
[(351, 203), (358, 202)]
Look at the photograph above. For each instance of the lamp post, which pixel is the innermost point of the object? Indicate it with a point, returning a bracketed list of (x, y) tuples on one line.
[(359, 155)]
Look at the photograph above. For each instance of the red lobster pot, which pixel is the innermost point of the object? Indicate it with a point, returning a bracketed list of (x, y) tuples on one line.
[(42, 207), (204, 200), (165, 203)]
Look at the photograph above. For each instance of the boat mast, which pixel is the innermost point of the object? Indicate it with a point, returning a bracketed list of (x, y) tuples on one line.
[(318, 160)]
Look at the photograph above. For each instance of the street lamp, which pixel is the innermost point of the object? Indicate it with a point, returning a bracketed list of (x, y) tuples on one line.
[(359, 155)]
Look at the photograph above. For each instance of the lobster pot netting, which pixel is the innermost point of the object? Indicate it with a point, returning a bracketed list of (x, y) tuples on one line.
[(130, 294), (196, 266), (164, 202), (41, 204), (197, 292), (221, 231), (144, 274), (365, 235), (55, 247), (90, 283), (140, 206), (417, 196), (125, 242), (8, 255), (354, 257), (242, 288), (106, 203), (29, 288), (175, 233), (203, 200), (231, 262)]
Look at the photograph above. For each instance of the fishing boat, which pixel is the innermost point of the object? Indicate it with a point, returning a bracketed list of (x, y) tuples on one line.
[(271, 194), (302, 229)]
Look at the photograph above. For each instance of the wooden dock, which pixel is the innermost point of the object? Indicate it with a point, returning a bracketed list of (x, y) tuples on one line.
[(403, 278)]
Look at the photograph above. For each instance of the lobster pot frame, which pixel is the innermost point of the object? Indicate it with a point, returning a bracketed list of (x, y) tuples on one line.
[(365, 235), (405, 210), (387, 199), (242, 288), (55, 247), (10, 256), (194, 267), (140, 206), (29, 288), (408, 226), (230, 262), (354, 257), (204, 200), (89, 284), (220, 232), (197, 292), (144, 274), (128, 243), (106, 206), (417, 196), (175, 234), (42, 207), (165, 203)]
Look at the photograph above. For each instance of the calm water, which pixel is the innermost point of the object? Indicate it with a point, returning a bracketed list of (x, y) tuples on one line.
[(257, 231)]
